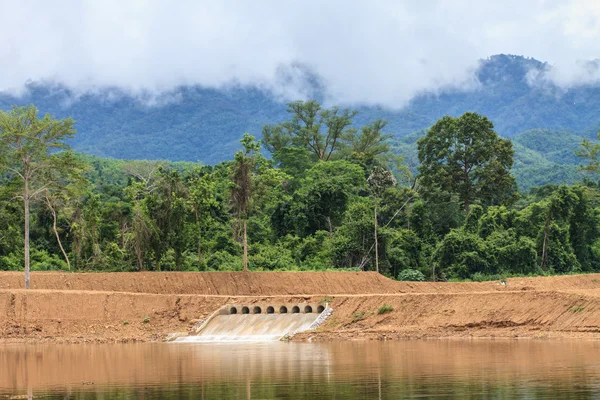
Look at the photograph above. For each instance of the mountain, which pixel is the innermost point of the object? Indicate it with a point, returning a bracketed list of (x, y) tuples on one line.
[(201, 124)]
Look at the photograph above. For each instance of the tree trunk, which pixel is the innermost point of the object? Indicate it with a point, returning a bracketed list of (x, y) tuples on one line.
[(199, 239), (545, 241), (26, 238), (199, 251), (123, 228), (138, 253), (157, 258), (76, 250), (376, 243), (467, 206), (245, 248), (54, 228)]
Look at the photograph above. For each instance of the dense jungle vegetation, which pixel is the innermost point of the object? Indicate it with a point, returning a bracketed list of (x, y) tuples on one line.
[(330, 196)]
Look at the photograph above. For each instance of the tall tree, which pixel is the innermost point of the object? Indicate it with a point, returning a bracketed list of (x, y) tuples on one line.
[(143, 229), (379, 180), (318, 130), (30, 154), (466, 156), (370, 145), (242, 175), (166, 206)]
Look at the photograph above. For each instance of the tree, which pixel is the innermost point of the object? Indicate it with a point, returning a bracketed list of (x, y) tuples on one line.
[(242, 175), (201, 200), (139, 235), (559, 209), (324, 196), (64, 188), (166, 205), (589, 152), (379, 180), (370, 145), (465, 156), (319, 131), (30, 153)]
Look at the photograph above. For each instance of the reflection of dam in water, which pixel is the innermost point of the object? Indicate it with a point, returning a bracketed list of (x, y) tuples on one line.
[(257, 322)]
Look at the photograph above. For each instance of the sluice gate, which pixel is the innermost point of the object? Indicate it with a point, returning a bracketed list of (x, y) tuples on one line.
[(259, 322)]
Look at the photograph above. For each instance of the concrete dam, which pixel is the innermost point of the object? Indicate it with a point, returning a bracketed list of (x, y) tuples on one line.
[(260, 322)]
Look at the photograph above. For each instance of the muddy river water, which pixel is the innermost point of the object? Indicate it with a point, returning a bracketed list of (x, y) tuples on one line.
[(481, 369)]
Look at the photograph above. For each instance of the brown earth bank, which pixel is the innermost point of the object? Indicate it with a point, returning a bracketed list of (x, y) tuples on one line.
[(123, 307)]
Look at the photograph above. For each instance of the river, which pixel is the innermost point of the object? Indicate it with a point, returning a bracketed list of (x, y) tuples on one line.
[(478, 369)]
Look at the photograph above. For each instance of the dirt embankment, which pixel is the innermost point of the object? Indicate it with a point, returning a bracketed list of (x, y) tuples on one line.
[(112, 307)]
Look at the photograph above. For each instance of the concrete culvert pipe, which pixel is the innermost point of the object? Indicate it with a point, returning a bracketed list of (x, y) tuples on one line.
[(307, 309), (245, 310), (256, 310), (295, 310), (283, 310), (270, 310), (233, 310), (320, 309)]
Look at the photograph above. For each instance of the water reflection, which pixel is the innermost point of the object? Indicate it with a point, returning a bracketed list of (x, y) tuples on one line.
[(347, 370)]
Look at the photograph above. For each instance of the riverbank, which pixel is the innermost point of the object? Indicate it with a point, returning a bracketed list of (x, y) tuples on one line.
[(128, 307)]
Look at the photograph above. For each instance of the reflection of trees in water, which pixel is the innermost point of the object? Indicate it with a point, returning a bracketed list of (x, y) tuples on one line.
[(349, 370), (474, 388)]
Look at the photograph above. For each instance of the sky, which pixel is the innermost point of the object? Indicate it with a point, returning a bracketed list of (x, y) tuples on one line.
[(375, 52)]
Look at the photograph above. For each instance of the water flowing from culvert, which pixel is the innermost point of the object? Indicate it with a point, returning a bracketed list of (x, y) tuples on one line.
[(252, 327)]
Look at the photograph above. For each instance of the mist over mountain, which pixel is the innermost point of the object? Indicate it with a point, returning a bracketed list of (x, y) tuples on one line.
[(194, 123)]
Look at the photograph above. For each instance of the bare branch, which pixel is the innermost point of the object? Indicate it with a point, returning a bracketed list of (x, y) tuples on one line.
[(13, 170)]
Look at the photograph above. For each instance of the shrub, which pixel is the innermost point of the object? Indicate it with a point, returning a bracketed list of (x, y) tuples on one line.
[(386, 308), (223, 261), (270, 258), (479, 277), (357, 316), (411, 275)]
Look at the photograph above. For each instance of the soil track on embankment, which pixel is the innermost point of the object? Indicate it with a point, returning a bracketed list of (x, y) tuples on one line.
[(117, 307)]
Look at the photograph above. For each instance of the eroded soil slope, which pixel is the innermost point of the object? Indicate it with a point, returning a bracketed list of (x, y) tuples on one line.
[(101, 307), (275, 283)]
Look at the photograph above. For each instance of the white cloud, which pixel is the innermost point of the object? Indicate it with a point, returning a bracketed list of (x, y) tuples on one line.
[(374, 52)]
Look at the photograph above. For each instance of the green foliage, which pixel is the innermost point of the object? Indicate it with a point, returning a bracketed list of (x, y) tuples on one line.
[(357, 316), (576, 309), (35, 161), (411, 275), (541, 156), (466, 157), (384, 309), (198, 123), (299, 213), (590, 153), (319, 131), (271, 258), (223, 261)]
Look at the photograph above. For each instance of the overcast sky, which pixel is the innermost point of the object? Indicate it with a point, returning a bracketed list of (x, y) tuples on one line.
[(375, 52)]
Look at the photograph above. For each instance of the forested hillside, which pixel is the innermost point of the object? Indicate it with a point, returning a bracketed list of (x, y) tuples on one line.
[(328, 197), (195, 123)]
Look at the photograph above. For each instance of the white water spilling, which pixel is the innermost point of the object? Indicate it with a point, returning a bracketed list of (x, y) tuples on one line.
[(252, 327)]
